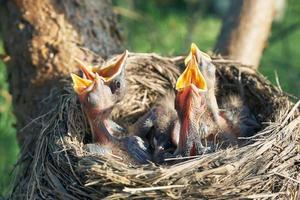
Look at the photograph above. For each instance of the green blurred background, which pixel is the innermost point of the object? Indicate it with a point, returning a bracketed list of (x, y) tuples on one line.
[(168, 27)]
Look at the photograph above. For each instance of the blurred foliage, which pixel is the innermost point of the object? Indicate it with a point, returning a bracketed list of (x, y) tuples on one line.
[(8, 144), (168, 27), (282, 55)]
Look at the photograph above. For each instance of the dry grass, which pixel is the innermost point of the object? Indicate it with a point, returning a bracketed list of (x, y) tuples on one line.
[(267, 168)]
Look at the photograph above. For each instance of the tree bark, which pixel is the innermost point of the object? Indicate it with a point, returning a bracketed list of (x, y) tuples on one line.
[(42, 38), (245, 30)]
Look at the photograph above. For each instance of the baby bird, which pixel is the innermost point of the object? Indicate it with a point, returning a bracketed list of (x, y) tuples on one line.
[(114, 77), (161, 127), (239, 119), (97, 100), (235, 119), (190, 104)]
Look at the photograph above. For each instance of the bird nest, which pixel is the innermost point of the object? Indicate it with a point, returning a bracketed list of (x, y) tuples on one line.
[(267, 168)]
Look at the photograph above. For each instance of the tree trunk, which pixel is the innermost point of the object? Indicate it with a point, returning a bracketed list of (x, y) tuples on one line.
[(245, 30), (42, 38)]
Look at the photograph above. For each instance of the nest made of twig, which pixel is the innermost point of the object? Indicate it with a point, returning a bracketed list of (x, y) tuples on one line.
[(266, 168)]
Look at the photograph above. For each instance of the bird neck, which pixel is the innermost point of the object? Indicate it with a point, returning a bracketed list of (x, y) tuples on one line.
[(100, 129), (189, 128)]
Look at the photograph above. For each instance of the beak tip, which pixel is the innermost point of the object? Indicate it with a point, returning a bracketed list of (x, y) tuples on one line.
[(79, 62), (125, 54), (74, 77), (194, 46), (79, 84)]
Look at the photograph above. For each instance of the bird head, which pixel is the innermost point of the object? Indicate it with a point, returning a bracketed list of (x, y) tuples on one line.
[(208, 70), (113, 75), (95, 97), (99, 89), (205, 64)]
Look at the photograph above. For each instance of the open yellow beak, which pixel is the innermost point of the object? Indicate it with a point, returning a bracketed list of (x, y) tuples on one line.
[(195, 51), (114, 69), (191, 75), (87, 70), (80, 84)]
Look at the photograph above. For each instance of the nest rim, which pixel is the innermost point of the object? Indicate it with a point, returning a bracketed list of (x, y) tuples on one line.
[(216, 174)]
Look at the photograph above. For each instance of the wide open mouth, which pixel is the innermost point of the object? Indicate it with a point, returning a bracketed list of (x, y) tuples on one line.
[(191, 75), (113, 70), (107, 73), (80, 84)]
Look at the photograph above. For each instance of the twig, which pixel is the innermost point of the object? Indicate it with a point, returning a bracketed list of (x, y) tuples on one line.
[(133, 190), (290, 113), (182, 158), (290, 178), (277, 81), (260, 196)]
